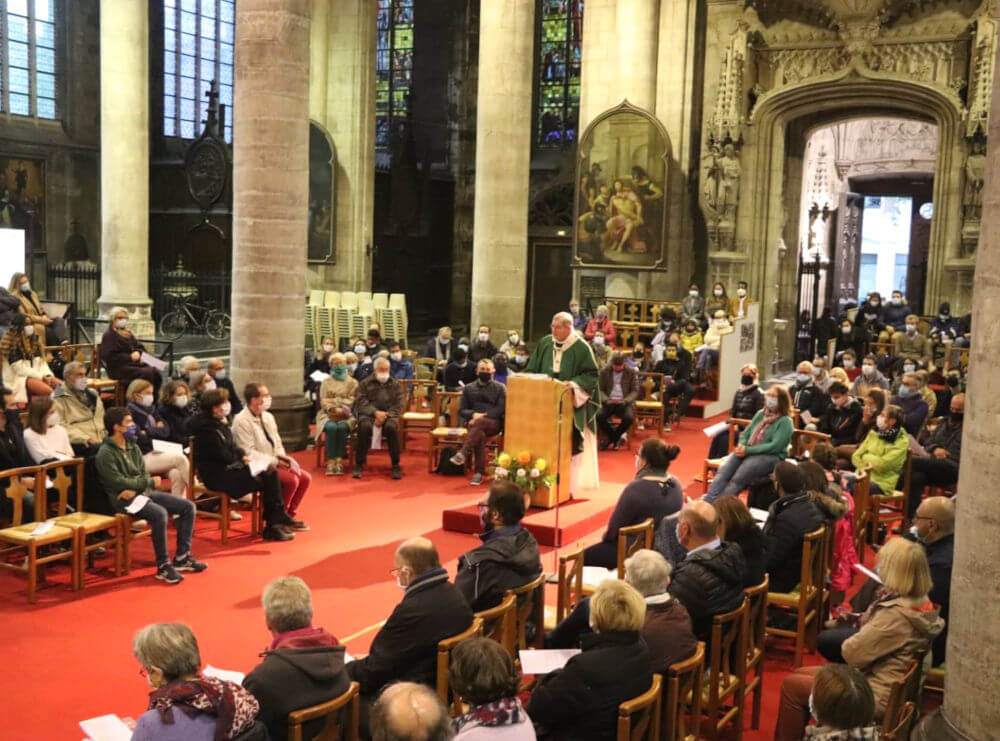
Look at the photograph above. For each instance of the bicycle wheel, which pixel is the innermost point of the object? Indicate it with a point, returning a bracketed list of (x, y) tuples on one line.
[(173, 325), (217, 325)]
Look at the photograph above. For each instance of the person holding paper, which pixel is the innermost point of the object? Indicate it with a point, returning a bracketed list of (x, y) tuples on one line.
[(335, 418), (129, 488), (380, 404), (459, 371), (676, 366), (24, 368), (176, 410), (255, 430), (151, 426), (121, 352), (224, 466), (807, 397)]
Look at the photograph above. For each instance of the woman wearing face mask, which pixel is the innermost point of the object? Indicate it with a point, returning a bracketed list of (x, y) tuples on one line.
[(601, 325), (25, 371), (872, 406), (849, 338), (201, 383), (509, 348), (335, 418), (121, 352), (761, 446), (46, 439), (884, 451), (150, 425), (709, 355), (441, 347), (48, 330), (693, 306), (223, 465), (691, 337), (718, 301), (351, 361), (321, 361), (176, 410), (747, 401)]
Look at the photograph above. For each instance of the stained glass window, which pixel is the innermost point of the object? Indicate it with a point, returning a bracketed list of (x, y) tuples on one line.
[(393, 66), (197, 48), (28, 75), (559, 54)]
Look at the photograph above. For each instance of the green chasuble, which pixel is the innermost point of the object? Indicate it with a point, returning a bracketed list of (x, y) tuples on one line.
[(577, 365)]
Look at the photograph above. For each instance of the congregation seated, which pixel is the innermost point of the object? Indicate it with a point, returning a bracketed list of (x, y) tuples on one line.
[(379, 404), (934, 528), (25, 370), (666, 628), (736, 525), (601, 326), (482, 347), (911, 404), (223, 466), (483, 676), (581, 700), (693, 308), (910, 345), (620, 389), (175, 410), (482, 409), (843, 706), (407, 711), (871, 378), (789, 519), (123, 477), (761, 446), (335, 418), (303, 665), (936, 461), (184, 704), (217, 370), (185, 367), (872, 406), (884, 451), (807, 397), (49, 330), (14, 453), (399, 366), (509, 347), (691, 337), (151, 426), (432, 609), (747, 401), (441, 347), (653, 493), (81, 410), (676, 366), (508, 557), (842, 416), (121, 352), (459, 371), (256, 431)]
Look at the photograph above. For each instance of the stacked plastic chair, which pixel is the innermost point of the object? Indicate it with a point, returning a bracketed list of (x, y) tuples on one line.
[(393, 318)]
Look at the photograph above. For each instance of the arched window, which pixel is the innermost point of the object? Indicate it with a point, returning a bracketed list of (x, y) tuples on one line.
[(393, 67), (197, 48), (28, 77), (559, 53)]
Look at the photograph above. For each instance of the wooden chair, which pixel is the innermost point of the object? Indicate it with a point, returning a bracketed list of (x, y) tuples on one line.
[(500, 623), (756, 638), (202, 495), (906, 690), (803, 442), (320, 448), (18, 540), (345, 707), (649, 408), (887, 508), (806, 601), (569, 588), (901, 731), (452, 434), (425, 368), (682, 703), (84, 523), (723, 695), (419, 413), (862, 512), (711, 465), (530, 608), (639, 718), (632, 539), (445, 648)]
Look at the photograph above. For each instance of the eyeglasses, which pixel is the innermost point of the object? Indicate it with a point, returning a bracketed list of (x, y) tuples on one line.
[(143, 673)]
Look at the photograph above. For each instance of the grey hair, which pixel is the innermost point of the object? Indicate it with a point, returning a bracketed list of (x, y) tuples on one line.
[(73, 366), (287, 604), (648, 571), (381, 362), (563, 317), (196, 377), (116, 310), (190, 360), (170, 647)]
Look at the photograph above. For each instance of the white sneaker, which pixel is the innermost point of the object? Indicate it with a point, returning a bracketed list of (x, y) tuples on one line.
[(235, 516)]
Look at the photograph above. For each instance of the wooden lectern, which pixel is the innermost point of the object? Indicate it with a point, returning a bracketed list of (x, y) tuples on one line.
[(533, 425)]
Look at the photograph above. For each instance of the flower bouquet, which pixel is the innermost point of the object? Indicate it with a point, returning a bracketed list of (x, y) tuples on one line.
[(523, 469)]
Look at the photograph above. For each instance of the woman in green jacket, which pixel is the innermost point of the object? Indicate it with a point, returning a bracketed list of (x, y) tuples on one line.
[(762, 445), (884, 450)]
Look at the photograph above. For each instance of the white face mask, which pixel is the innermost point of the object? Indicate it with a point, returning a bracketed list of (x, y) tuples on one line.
[(210, 385), (513, 339), (147, 400), (896, 300), (848, 363), (396, 356), (717, 292), (598, 340), (26, 286), (327, 347), (484, 337), (574, 310), (121, 323), (359, 349), (265, 403), (692, 293), (351, 367), (80, 384), (911, 328), (882, 423), (868, 370), (53, 419), (915, 532), (221, 373), (224, 409), (382, 377), (463, 346), (180, 402), (29, 329), (741, 292), (770, 402), (817, 371)]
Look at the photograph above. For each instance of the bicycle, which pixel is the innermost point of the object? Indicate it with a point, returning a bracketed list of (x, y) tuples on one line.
[(184, 317)]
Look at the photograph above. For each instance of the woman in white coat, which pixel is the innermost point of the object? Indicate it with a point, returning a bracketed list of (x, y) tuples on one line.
[(22, 357)]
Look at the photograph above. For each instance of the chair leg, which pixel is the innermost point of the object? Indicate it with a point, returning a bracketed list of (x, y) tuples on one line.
[(758, 694), (79, 543), (32, 571), (224, 517)]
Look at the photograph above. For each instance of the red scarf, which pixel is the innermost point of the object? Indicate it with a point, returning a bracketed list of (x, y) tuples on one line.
[(234, 707), (758, 434)]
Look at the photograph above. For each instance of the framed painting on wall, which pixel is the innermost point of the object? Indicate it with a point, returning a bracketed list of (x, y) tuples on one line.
[(621, 195), (322, 213), (22, 206)]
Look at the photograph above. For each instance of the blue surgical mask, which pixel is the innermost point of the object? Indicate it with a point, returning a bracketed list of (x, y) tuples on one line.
[(131, 432), (351, 367), (803, 377), (770, 402)]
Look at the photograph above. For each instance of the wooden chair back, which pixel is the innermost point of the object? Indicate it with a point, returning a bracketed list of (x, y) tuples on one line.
[(879, 349), (902, 729), (639, 718), (531, 608), (652, 385), (862, 511), (682, 703), (425, 368), (500, 623), (334, 727), (418, 395), (813, 560), (903, 691), (803, 442), (756, 638), (15, 490), (569, 591), (448, 403), (727, 668), (736, 426), (632, 539), (445, 647), (88, 354), (62, 475)]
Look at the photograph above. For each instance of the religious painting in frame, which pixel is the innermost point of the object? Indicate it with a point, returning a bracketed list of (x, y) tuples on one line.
[(22, 195), (322, 213), (620, 214)]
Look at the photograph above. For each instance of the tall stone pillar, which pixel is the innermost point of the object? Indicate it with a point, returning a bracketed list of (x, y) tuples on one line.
[(637, 25), (125, 162), (972, 684), (503, 154), (270, 199)]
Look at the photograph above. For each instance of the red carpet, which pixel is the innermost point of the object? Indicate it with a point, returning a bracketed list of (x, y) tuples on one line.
[(72, 651)]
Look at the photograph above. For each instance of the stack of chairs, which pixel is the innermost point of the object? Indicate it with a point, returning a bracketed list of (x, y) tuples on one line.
[(344, 314), (392, 316), (364, 314)]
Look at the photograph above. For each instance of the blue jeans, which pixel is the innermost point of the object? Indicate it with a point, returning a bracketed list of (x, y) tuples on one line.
[(736, 474), (156, 512), (707, 359)]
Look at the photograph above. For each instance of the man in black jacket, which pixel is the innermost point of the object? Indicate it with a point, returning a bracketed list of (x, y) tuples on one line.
[(619, 384), (482, 409), (807, 397), (943, 451), (676, 365), (459, 372), (790, 517), (934, 527), (303, 666), (217, 370), (709, 581), (842, 416), (508, 557), (379, 403), (432, 608)]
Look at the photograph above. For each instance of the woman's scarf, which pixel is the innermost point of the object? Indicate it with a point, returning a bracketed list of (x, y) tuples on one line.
[(758, 434), (234, 707), (890, 433), (505, 712)]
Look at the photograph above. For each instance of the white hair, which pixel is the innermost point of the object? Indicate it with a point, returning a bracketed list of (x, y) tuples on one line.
[(116, 310), (563, 317), (170, 647), (190, 361), (648, 571), (287, 604), (381, 362)]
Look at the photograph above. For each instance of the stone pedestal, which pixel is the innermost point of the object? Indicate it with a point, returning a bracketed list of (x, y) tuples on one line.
[(270, 198), (503, 155), (125, 162)]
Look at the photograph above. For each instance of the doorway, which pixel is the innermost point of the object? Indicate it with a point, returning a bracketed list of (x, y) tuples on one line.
[(550, 285)]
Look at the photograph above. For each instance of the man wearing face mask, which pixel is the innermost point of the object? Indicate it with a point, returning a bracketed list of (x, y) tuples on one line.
[(842, 416), (934, 528), (910, 346), (459, 372), (399, 366), (896, 312), (508, 557), (364, 361), (482, 347), (620, 389), (374, 344), (123, 478), (520, 359), (909, 400), (80, 410), (121, 352), (510, 346), (255, 430), (739, 304), (849, 339), (789, 518), (601, 326), (807, 397), (482, 410), (676, 366), (693, 307), (849, 362), (937, 463), (379, 404), (580, 317), (217, 370), (441, 347), (871, 378)]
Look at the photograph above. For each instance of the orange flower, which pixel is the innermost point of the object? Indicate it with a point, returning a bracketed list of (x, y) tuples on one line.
[(524, 457)]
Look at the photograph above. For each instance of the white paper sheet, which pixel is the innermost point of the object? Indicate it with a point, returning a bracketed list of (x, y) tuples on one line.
[(594, 575), (138, 502), (258, 462), (376, 438), (224, 674), (153, 361), (106, 728), (807, 417), (319, 376), (165, 446), (868, 572), (713, 430), (43, 527), (759, 515), (544, 661)]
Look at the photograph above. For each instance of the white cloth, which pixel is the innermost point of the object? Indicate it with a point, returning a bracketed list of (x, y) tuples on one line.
[(248, 433), (16, 375), (53, 444), (584, 473)]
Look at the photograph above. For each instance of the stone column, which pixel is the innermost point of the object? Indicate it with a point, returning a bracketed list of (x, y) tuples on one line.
[(637, 25), (125, 162), (503, 154), (319, 60), (270, 197)]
